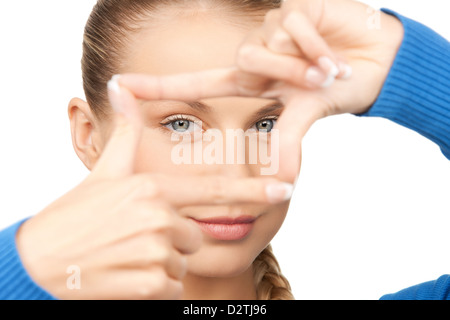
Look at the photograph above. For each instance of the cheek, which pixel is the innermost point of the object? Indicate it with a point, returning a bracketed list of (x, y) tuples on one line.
[(154, 158), (155, 155), (270, 224)]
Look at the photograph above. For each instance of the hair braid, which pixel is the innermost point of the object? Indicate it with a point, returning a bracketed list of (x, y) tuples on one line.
[(269, 281)]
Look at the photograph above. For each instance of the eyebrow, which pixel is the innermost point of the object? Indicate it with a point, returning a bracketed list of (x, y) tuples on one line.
[(268, 109), (199, 106)]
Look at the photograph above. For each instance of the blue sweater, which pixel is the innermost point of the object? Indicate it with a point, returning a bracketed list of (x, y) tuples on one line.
[(416, 95)]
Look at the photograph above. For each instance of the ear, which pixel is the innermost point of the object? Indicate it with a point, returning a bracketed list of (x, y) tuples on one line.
[(86, 135)]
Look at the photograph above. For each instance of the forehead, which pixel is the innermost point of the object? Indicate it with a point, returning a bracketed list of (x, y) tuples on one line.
[(186, 44)]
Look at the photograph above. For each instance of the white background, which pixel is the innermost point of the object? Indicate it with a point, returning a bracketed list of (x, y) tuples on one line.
[(371, 213)]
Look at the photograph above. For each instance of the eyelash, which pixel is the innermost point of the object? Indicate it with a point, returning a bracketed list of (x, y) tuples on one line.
[(181, 117), (273, 118), (178, 117)]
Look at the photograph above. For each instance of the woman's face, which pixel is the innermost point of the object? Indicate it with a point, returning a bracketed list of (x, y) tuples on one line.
[(173, 130)]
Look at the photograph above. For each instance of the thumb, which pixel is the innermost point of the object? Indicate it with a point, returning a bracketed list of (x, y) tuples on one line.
[(297, 118), (119, 156)]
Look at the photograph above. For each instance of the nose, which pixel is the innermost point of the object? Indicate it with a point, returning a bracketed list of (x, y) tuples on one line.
[(231, 152)]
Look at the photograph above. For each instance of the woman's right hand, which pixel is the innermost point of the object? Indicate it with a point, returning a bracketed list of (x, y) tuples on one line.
[(121, 230)]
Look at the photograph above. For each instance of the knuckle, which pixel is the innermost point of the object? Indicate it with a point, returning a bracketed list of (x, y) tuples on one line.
[(162, 220), (153, 217), (152, 253), (178, 291), (279, 41), (153, 285), (245, 56), (161, 283), (144, 186), (160, 256), (149, 187)]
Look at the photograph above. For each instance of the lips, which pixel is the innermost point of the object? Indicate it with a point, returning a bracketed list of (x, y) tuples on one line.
[(226, 228)]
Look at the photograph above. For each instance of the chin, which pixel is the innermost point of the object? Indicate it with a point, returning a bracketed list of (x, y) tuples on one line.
[(222, 261)]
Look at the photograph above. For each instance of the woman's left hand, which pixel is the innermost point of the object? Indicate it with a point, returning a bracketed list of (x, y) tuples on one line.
[(295, 57)]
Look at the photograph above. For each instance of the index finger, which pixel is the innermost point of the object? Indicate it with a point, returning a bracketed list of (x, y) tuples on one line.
[(180, 191), (299, 115), (185, 87)]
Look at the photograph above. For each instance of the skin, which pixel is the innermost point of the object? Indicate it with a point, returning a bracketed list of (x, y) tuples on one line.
[(147, 236), (222, 268), (292, 40), (217, 269)]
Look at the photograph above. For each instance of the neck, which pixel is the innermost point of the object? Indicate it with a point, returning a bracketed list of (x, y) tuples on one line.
[(240, 287)]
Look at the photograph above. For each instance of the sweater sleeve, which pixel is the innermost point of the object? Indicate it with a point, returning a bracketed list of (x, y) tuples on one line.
[(15, 283), (416, 93), (432, 290)]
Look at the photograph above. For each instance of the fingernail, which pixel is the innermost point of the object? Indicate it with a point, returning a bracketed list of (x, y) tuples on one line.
[(346, 70), (114, 86), (114, 97), (328, 82), (328, 66), (116, 77), (279, 192), (315, 76)]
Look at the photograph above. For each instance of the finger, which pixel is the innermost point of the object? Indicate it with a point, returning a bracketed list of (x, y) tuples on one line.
[(153, 284), (158, 223), (311, 43), (184, 87), (181, 191), (174, 290), (147, 250), (119, 155), (129, 284), (186, 238), (254, 59), (279, 41), (177, 265), (276, 38), (299, 115), (147, 229), (275, 48), (166, 249)]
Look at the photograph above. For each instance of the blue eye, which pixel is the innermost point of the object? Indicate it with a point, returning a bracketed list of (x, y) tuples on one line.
[(182, 125), (266, 125)]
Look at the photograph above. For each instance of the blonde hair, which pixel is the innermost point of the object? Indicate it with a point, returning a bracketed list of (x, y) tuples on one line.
[(107, 35), (269, 281), (111, 25)]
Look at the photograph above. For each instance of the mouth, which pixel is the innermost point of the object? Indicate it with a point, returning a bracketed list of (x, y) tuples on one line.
[(226, 228)]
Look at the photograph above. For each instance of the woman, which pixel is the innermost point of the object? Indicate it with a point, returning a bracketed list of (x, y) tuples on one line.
[(223, 266)]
